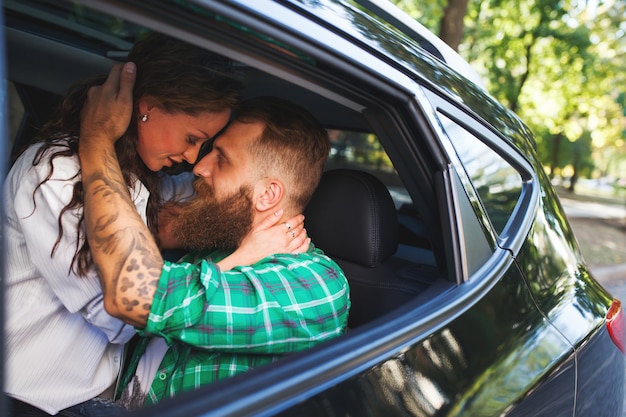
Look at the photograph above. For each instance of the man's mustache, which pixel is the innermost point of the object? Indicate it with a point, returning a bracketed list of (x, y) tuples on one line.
[(202, 188)]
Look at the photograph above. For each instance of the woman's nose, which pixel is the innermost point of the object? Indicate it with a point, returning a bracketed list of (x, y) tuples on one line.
[(191, 154)]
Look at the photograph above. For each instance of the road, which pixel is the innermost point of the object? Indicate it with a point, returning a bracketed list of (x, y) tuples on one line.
[(575, 208)]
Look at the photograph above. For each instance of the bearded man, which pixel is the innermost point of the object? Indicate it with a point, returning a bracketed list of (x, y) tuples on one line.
[(234, 305)]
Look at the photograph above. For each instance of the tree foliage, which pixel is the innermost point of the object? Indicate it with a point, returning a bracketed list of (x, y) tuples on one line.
[(559, 64)]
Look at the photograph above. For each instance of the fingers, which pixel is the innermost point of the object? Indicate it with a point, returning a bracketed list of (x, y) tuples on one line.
[(271, 220), (127, 82), (120, 81), (291, 234), (294, 222), (107, 111), (111, 84), (298, 241), (119, 84), (296, 231)]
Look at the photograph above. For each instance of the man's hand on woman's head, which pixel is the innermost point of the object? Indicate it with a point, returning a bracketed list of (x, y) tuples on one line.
[(108, 109)]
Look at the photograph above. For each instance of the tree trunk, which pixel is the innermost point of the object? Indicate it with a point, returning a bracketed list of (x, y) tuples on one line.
[(556, 147), (576, 162), (451, 27), (514, 101)]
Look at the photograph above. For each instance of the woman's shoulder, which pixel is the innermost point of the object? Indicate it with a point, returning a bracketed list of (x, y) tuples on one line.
[(32, 169), (41, 160)]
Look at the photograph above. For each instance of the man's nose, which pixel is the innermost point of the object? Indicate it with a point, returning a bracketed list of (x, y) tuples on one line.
[(203, 167)]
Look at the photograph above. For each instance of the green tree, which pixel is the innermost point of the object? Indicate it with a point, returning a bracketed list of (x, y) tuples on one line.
[(558, 64), (428, 12)]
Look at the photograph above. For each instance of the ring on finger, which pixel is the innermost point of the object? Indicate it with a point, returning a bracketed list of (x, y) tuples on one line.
[(293, 234), (288, 226)]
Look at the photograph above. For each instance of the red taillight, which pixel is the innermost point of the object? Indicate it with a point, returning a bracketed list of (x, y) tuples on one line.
[(615, 323)]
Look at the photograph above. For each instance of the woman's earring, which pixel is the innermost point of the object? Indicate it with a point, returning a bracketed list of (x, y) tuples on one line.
[(144, 118)]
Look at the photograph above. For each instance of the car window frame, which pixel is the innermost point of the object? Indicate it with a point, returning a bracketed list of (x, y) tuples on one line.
[(4, 163), (518, 225)]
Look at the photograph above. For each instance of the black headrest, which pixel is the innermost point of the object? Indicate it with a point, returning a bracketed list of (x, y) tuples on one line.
[(352, 216)]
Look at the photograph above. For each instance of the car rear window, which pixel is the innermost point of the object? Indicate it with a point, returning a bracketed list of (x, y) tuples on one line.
[(497, 183)]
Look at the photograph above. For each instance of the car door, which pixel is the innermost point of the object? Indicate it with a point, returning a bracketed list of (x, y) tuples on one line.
[(503, 189)]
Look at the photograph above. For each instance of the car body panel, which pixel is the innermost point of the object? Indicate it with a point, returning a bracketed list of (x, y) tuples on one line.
[(459, 368), (452, 382), (561, 274), (600, 375)]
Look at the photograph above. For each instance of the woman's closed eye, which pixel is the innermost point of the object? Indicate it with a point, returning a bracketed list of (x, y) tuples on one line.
[(193, 140)]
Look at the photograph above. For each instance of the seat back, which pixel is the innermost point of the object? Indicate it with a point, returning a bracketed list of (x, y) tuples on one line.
[(352, 218)]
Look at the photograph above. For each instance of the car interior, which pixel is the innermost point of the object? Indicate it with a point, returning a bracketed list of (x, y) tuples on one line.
[(361, 215)]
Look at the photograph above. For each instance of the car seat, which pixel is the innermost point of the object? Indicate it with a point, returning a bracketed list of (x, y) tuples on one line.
[(352, 218)]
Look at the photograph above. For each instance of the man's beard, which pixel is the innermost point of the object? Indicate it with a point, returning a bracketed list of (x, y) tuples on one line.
[(206, 223)]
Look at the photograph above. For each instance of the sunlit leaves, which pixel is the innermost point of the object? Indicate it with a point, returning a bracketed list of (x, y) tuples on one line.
[(560, 65)]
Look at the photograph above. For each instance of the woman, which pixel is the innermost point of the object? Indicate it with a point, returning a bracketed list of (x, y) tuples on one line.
[(63, 351)]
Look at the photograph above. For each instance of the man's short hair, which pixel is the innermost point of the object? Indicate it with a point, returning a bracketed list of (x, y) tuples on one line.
[(294, 146)]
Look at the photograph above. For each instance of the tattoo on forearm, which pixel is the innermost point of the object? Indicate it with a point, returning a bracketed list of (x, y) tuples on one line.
[(136, 263)]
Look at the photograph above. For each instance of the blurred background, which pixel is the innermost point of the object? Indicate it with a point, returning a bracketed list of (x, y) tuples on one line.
[(560, 65)]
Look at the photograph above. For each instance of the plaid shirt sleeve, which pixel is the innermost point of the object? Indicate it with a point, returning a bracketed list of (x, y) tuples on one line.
[(284, 303)]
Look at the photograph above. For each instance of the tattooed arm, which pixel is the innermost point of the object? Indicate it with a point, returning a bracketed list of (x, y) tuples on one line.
[(126, 256), (128, 260)]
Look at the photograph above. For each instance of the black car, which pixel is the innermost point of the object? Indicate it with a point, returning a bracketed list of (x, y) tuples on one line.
[(469, 294)]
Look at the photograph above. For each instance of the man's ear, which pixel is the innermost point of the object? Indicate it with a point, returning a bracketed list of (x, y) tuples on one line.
[(271, 193)]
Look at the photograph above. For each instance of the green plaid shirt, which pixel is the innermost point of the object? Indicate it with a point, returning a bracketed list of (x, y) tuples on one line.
[(220, 324)]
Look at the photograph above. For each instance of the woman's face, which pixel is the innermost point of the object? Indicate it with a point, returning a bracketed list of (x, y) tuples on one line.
[(168, 138)]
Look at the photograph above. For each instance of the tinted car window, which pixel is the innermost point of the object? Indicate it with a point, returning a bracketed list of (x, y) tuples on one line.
[(16, 113), (363, 151), (497, 183), (100, 31)]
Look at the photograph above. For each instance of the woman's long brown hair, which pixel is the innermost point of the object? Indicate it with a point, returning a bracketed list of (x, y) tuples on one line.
[(180, 77)]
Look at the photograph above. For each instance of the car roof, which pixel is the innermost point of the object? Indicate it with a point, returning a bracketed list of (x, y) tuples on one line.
[(102, 43), (429, 41)]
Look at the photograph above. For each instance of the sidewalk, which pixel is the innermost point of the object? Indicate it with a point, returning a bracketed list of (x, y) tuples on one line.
[(611, 275), (613, 279)]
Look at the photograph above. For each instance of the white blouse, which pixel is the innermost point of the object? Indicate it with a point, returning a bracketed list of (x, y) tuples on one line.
[(62, 348)]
